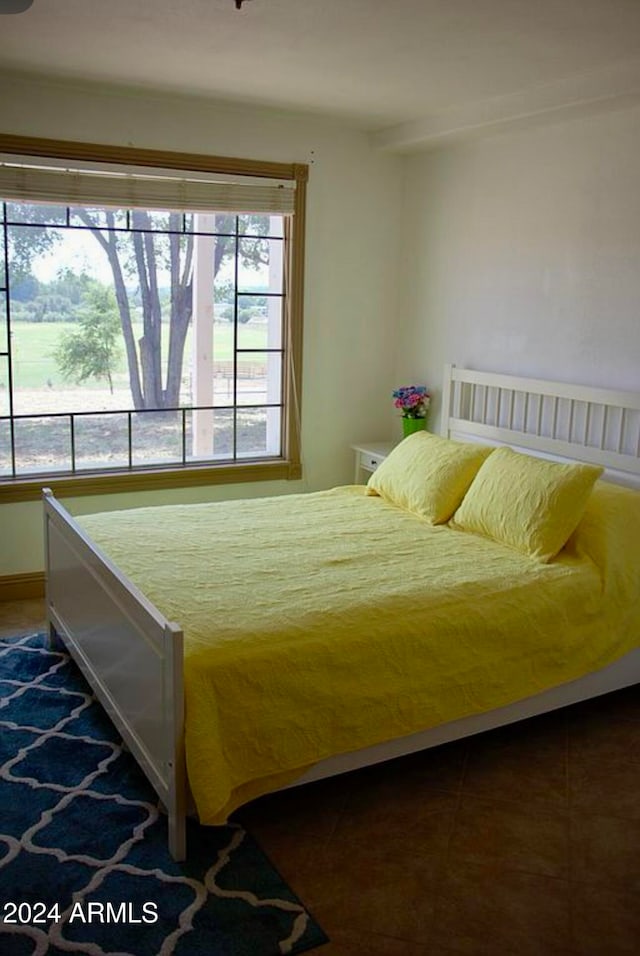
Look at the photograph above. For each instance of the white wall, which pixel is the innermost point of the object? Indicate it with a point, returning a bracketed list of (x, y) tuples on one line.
[(522, 254), (353, 217)]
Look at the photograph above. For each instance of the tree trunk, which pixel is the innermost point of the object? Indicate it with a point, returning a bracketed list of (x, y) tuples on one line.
[(144, 359), (180, 316), (150, 343), (111, 249)]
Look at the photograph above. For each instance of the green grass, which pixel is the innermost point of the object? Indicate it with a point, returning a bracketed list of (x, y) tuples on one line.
[(34, 345)]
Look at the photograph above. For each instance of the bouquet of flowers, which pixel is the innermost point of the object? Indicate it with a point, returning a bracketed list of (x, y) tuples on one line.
[(414, 400)]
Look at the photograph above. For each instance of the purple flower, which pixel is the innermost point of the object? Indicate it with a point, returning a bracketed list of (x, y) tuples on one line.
[(414, 400)]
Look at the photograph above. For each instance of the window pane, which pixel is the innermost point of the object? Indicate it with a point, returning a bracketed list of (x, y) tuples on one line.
[(5, 449), (3, 275), (5, 406), (223, 433), (259, 433), (253, 268), (259, 321), (36, 212), (37, 381), (42, 444), (156, 437), (155, 220), (259, 378), (259, 265), (209, 434), (223, 382), (4, 341), (98, 218), (225, 224), (256, 225), (101, 441), (224, 295)]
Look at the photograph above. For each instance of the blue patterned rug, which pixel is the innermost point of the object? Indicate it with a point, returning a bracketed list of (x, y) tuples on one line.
[(84, 865)]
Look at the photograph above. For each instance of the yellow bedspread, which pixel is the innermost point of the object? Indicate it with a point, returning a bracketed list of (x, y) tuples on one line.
[(322, 623)]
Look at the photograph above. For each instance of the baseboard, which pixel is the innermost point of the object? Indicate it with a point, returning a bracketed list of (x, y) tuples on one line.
[(18, 587)]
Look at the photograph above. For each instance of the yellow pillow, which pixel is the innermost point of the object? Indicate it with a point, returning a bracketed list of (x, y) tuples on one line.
[(528, 503), (428, 475)]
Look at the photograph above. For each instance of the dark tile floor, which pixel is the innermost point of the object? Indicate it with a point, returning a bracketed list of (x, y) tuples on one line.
[(525, 840)]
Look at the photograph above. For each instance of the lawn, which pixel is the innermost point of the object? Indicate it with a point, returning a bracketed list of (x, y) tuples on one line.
[(34, 345), (101, 440)]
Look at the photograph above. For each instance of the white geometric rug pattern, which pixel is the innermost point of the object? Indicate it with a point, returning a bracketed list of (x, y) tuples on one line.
[(65, 842)]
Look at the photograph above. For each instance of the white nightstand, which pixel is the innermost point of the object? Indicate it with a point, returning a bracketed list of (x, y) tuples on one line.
[(368, 457)]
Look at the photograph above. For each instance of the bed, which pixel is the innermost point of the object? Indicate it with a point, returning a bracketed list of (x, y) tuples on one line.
[(330, 651)]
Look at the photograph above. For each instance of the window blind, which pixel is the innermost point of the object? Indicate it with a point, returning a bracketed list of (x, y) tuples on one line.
[(174, 191)]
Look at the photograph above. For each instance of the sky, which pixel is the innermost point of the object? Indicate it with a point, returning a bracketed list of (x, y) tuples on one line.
[(80, 252), (75, 251)]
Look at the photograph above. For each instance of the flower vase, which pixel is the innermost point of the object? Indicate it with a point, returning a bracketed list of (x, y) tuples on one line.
[(411, 425)]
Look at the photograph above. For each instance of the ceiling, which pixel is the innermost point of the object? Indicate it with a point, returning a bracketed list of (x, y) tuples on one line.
[(393, 66)]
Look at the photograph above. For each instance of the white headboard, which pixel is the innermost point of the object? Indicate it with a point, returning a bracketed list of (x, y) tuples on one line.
[(549, 419)]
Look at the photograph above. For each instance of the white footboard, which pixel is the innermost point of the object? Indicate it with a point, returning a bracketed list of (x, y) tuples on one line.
[(129, 653)]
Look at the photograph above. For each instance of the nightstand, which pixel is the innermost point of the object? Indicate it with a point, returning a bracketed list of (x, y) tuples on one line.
[(368, 457)]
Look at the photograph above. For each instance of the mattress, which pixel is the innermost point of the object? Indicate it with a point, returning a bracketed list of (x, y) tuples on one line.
[(323, 623)]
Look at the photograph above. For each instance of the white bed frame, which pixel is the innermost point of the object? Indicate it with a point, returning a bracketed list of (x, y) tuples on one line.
[(133, 657)]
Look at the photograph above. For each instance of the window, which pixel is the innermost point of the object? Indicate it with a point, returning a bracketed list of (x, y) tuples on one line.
[(150, 319)]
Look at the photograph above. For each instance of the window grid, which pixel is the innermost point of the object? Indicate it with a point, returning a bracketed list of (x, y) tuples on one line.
[(76, 227), (182, 410), (7, 353)]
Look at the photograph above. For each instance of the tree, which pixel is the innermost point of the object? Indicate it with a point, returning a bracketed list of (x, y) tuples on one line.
[(140, 254), (50, 307), (29, 240), (73, 286), (25, 288), (91, 351), (136, 258)]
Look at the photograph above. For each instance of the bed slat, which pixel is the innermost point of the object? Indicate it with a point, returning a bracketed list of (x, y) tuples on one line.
[(569, 421)]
